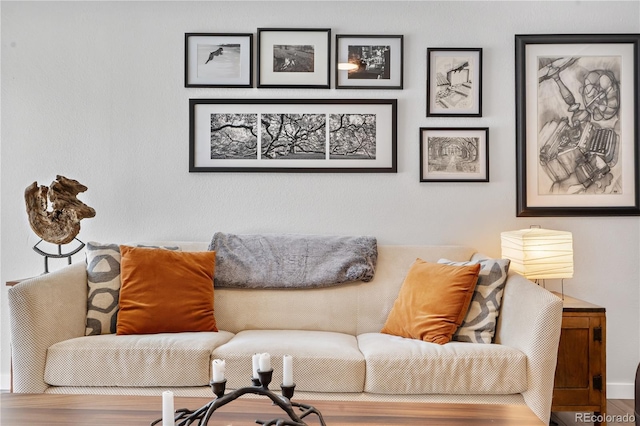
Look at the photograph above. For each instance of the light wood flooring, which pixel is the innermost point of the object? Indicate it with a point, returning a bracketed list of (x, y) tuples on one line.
[(615, 407)]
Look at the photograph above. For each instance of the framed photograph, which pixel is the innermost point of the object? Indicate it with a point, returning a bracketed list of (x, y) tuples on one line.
[(294, 58), (577, 124), (292, 135), (450, 154), (369, 61), (218, 60), (454, 82)]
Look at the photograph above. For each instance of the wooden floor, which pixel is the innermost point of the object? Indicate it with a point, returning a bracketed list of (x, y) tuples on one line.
[(109, 410), (615, 407)]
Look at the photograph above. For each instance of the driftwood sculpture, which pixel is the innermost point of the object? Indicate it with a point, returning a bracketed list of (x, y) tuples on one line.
[(61, 224)]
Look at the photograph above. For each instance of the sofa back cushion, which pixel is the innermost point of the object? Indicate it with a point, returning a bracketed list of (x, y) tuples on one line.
[(353, 308)]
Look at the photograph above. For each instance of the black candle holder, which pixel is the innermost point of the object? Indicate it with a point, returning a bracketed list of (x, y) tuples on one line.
[(201, 416)]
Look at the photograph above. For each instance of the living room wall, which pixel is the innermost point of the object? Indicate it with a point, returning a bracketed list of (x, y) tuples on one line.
[(94, 91)]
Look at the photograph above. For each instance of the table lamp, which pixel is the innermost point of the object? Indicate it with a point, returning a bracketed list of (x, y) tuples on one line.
[(538, 253)]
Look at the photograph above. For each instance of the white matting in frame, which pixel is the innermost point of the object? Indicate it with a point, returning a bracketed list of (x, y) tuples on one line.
[(294, 57), (449, 154), (369, 62), (540, 189), (340, 135), (454, 86), (218, 60)]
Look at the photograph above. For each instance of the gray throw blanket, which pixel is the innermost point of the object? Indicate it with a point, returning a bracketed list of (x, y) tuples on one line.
[(292, 261)]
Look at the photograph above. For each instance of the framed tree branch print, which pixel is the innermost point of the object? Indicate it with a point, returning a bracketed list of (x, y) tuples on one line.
[(577, 124), (292, 135)]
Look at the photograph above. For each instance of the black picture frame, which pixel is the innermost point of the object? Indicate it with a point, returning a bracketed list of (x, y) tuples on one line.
[(290, 58), (218, 60), (454, 82), (577, 145), (454, 154), (259, 135), (369, 62)]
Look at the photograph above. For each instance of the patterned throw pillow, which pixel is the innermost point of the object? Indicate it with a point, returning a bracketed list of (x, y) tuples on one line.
[(103, 279), (479, 325)]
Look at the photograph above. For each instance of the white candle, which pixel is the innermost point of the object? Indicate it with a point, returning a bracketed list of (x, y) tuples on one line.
[(265, 362), (167, 409), (218, 367), (255, 360), (287, 370)]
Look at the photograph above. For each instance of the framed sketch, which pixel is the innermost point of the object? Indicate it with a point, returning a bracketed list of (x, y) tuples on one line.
[(450, 154), (369, 61), (292, 135), (577, 124), (218, 60), (294, 58), (454, 82)]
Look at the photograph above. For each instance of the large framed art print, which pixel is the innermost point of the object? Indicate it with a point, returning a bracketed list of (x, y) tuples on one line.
[(292, 135), (577, 124)]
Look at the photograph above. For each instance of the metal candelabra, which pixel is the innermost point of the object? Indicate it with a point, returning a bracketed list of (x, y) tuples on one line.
[(201, 416)]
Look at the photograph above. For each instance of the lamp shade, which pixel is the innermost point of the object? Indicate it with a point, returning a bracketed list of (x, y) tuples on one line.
[(539, 253)]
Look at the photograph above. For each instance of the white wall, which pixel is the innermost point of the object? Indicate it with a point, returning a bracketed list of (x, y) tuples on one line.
[(94, 91)]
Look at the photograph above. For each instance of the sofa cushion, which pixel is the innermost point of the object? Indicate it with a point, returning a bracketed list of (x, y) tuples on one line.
[(479, 325), (432, 302), (134, 360), (103, 280), (322, 361), (397, 365), (165, 291)]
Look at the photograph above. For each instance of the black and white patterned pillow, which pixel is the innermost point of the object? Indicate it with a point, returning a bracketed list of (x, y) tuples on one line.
[(479, 325), (103, 279)]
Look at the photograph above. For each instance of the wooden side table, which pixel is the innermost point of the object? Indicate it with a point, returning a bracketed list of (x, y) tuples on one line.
[(580, 381), (11, 283)]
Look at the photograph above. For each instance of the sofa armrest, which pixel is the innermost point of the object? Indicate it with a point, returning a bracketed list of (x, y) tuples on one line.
[(530, 320), (42, 311)]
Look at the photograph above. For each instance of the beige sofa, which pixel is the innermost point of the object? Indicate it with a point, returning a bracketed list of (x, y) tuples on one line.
[(332, 334)]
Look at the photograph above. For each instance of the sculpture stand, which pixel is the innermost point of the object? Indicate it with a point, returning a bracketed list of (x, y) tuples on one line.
[(260, 386), (59, 255)]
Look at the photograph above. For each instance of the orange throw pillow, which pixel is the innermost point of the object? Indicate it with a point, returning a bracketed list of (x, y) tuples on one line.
[(432, 301), (165, 291)]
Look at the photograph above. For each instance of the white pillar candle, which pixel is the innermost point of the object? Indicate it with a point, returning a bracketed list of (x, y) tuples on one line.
[(255, 360), (287, 370), (167, 409), (218, 367), (265, 362)]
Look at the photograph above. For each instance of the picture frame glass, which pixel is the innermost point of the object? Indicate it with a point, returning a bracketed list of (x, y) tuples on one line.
[(294, 58), (450, 154), (580, 149), (455, 82), (369, 62), (223, 60)]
